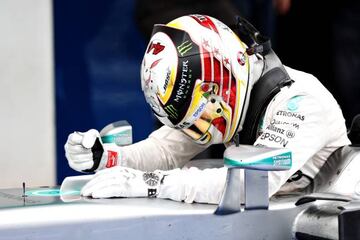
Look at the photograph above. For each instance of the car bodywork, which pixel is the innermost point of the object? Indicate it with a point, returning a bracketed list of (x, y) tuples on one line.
[(328, 212)]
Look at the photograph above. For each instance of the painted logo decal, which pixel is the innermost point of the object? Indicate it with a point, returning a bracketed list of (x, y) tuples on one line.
[(171, 110), (184, 47), (241, 58), (147, 72), (205, 21), (184, 82), (157, 48)]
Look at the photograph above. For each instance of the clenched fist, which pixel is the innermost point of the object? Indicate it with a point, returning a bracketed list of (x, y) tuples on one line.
[(85, 152)]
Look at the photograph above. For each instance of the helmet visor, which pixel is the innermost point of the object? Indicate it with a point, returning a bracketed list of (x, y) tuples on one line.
[(213, 123)]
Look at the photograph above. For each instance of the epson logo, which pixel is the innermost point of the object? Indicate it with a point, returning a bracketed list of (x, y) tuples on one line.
[(199, 110), (274, 138)]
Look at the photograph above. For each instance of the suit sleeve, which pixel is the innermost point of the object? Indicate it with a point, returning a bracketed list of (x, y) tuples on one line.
[(164, 149)]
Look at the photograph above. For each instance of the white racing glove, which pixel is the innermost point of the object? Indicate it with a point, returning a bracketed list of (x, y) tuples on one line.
[(85, 152), (190, 185), (122, 182)]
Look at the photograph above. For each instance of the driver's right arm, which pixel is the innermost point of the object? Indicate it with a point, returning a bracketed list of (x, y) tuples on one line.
[(164, 149)]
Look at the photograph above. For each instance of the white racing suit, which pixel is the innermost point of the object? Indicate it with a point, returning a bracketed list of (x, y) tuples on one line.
[(304, 118)]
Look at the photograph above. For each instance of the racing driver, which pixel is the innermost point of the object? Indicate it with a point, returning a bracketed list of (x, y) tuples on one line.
[(208, 84)]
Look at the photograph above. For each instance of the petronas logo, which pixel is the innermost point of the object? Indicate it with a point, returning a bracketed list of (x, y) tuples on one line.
[(171, 111), (184, 47)]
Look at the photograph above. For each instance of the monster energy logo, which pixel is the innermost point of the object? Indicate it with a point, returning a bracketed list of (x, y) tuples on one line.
[(184, 47), (171, 111)]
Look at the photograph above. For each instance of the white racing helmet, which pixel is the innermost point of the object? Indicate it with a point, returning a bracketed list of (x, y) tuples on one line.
[(195, 76)]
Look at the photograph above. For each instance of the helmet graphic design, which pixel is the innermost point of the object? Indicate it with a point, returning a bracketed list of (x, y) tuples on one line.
[(195, 76)]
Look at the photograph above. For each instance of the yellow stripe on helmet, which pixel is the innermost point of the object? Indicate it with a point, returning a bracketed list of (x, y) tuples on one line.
[(238, 108)]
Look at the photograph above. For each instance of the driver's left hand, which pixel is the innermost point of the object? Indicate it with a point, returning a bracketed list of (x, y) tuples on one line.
[(116, 182)]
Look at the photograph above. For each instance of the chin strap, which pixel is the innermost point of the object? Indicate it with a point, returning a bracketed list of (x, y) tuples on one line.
[(273, 78)]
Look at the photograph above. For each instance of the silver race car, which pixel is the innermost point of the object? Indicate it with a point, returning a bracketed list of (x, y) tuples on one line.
[(328, 209)]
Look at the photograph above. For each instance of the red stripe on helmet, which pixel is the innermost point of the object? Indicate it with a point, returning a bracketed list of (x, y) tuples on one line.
[(217, 72), (205, 21), (212, 68), (228, 91), (225, 86), (220, 124), (232, 100), (207, 65)]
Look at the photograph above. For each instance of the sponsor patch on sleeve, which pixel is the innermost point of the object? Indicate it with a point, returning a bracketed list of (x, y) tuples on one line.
[(112, 159)]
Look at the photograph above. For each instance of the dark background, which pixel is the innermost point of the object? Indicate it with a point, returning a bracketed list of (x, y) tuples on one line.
[(98, 52), (99, 46)]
